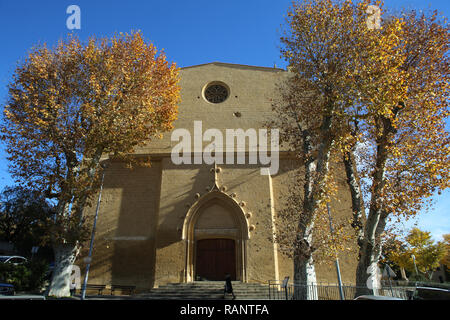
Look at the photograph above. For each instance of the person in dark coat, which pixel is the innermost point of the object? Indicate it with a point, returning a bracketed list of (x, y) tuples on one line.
[(228, 286)]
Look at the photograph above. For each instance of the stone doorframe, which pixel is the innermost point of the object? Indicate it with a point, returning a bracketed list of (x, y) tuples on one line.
[(240, 235)]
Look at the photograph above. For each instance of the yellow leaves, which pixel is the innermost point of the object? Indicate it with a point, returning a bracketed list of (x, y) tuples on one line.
[(105, 96), (427, 253), (392, 83)]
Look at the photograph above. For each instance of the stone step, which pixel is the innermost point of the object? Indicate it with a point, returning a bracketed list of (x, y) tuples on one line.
[(203, 290), (212, 287), (200, 293), (201, 297), (168, 293), (156, 297), (214, 284), (207, 290)]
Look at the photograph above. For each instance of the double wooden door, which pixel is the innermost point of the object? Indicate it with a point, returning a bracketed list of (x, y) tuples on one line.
[(215, 258)]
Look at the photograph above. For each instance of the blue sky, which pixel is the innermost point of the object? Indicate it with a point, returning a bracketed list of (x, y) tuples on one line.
[(190, 31)]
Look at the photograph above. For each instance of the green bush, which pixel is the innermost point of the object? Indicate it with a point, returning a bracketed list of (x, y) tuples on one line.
[(29, 276), (418, 277)]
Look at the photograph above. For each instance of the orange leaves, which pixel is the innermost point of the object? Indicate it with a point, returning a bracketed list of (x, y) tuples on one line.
[(420, 154), (427, 253), (331, 48), (382, 90), (69, 105), (134, 85)]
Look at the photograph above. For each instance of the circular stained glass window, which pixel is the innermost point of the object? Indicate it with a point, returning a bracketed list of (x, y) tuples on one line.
[(216, 92)]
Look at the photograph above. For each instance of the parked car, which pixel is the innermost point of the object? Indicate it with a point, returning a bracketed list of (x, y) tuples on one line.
[(23, 297), (6, 289), (372, 297), (13, 259), (430, 293)]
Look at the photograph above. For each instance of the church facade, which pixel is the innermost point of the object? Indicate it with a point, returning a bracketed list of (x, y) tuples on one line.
[(180, 220)]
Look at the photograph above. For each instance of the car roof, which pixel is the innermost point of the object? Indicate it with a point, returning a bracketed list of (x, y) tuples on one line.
[(10, 257), (432, 288), (23, 297), (373, 297), (6, 285)]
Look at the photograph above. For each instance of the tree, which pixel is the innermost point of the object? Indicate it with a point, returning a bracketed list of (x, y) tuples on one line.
[(71, 105), (326, 244), (446, 260), (337, 65), (23, 217), (427, 253), (396, 255), (403, 157)]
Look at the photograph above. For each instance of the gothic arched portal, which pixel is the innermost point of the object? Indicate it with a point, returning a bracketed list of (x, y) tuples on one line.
[(215, 221)]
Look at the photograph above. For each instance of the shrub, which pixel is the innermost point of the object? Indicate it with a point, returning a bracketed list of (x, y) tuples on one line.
[(418, 277), (29, 276)]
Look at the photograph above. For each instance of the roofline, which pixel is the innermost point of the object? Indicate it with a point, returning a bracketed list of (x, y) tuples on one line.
[(234, 65)]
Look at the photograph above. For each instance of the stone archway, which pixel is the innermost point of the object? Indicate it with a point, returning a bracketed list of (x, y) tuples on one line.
[(216, 216)]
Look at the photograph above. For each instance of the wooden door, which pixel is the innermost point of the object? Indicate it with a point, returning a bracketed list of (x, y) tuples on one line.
[(215, 258)]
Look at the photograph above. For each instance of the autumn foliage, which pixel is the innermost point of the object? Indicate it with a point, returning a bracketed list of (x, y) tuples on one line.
[(377, 98), (428, 254), (70, 105), (73, 105)]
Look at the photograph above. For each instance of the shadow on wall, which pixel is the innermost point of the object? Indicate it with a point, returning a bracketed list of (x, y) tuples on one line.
[(176, 204), (132, 242), (147, 220), (185, 181), (140, 230)]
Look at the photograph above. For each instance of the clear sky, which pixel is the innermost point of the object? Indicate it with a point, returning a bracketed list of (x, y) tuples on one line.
[(190, 31)]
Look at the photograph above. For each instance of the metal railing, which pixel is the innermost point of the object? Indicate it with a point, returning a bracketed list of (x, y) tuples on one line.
[(279, 290)]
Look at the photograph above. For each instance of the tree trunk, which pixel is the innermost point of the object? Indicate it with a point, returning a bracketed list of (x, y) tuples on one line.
[(304, 278), (370, 250), (403, 273), (65, 255), (316, 171), (304, 272), (356, 195), (81, 202), (367, 272)]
